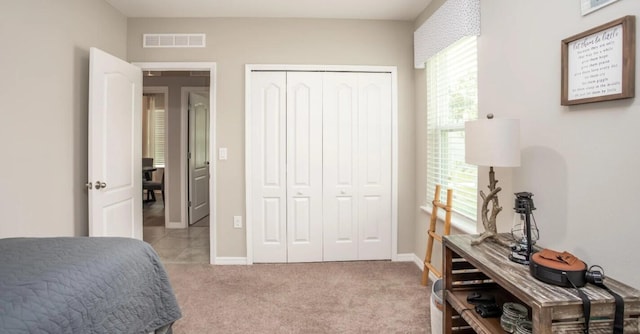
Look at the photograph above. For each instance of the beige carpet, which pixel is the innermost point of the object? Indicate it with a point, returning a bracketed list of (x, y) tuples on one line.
[(336, 297)]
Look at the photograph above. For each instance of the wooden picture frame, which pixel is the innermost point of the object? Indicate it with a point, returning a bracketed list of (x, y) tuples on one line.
[(599, 64), (589, 6)]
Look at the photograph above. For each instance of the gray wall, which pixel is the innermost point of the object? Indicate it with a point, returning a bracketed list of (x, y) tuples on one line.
[(580, 162), (43, 110), (232, 43)]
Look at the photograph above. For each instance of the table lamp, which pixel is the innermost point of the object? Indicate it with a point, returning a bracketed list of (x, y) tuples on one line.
[(494, 143)]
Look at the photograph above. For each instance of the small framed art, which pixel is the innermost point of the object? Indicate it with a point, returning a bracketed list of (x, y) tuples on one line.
[(599, 64), (588, 6)]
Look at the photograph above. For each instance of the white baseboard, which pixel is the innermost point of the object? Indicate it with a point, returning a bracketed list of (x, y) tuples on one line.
[(176, 225), (230, 260), (406, 257), (410, 257)]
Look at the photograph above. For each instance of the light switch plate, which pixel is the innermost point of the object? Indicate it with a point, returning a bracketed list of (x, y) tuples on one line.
[(237, 221), (222, 153)]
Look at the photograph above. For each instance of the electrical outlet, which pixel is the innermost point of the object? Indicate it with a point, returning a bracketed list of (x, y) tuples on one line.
[(237, 221), (222, 153)]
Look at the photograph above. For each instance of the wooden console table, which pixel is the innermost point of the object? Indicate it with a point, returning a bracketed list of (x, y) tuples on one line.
[(553, 309)]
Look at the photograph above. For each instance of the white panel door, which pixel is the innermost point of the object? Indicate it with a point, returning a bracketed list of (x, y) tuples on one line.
[(115, 147), (321, 166), (374, 165), (269, 182), (198, 155), (304, 166), (340, 143)]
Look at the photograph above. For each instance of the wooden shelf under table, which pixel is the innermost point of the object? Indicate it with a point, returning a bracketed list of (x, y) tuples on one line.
[(553, 309)]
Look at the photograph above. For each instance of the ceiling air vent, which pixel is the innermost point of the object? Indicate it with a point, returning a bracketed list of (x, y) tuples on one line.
[(174, 40)]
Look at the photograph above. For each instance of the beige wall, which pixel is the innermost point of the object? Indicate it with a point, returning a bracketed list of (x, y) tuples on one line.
[(580, 162), (43, 110), (232, 43)]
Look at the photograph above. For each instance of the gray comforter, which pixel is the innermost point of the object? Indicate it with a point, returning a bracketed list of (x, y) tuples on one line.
[(83, 285)]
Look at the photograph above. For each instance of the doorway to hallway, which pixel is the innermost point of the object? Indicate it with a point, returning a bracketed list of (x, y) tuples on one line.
[(177, 240)]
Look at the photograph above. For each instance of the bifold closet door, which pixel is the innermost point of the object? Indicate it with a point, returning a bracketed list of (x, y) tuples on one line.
[(357, 166), (304, 166), (374, 166), (269, 178), (287, 166), (340, 155), (321, 166)]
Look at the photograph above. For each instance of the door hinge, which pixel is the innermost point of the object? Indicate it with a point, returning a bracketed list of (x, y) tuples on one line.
[(189, 203), (189, 155)]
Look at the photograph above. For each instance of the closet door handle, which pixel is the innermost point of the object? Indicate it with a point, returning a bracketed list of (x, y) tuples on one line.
[(299, 193)]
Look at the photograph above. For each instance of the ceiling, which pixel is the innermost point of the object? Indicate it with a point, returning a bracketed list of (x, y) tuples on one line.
[(335, 9)]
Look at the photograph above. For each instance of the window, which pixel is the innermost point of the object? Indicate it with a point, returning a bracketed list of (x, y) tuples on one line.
[(452, 99), (153, 128)]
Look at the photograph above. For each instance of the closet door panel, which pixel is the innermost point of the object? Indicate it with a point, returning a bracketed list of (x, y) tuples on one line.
[(268, 108), (374, 152), (321, 164), (304, 166), (340, 145)]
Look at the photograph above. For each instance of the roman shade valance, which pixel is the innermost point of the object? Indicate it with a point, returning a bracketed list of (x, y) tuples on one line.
[(453, 20)]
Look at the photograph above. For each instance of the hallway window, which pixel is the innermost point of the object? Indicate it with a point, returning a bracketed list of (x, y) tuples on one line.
[(452, 99), (153, 128)]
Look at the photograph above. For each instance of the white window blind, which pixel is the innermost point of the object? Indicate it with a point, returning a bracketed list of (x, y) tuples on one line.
[(452, 100), (154, 129), (158, 138)]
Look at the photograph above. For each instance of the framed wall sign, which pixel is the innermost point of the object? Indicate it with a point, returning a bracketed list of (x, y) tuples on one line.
[(588, 6), (599, 64)]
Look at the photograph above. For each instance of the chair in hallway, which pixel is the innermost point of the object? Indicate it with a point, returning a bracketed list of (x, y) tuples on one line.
[(147, 168), (152, 186)]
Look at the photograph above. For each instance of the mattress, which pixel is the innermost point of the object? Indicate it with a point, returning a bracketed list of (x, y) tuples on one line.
[(83, 285)]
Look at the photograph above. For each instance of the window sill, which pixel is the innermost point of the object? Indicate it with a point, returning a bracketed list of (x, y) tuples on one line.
[(459, 222)]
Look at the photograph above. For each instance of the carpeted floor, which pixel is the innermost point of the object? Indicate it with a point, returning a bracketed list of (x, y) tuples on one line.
[(334, 297)]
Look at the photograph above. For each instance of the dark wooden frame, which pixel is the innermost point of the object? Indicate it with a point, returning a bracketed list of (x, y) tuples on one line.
[(627, 68)]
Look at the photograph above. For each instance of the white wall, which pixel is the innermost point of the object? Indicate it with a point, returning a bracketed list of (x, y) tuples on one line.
[(232, 43), (44, 66), (580, 162)]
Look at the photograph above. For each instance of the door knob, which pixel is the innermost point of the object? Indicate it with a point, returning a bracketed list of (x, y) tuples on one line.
[(100, 185), (299, 193), (89, 185)]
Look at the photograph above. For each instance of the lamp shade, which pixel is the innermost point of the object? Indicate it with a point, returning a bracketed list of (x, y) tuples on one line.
[(492, 142)]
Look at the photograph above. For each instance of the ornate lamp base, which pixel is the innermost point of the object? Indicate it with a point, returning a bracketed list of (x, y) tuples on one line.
[(489, 223), (493, 236)]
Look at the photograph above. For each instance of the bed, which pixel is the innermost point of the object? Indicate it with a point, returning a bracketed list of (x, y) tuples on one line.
[(83, 285)]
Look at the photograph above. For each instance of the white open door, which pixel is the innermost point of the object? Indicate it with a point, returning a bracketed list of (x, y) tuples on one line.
[(198, 155), (115, 147)]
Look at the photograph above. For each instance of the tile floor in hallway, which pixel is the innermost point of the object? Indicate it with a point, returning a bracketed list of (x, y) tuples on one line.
[(190, 245)]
